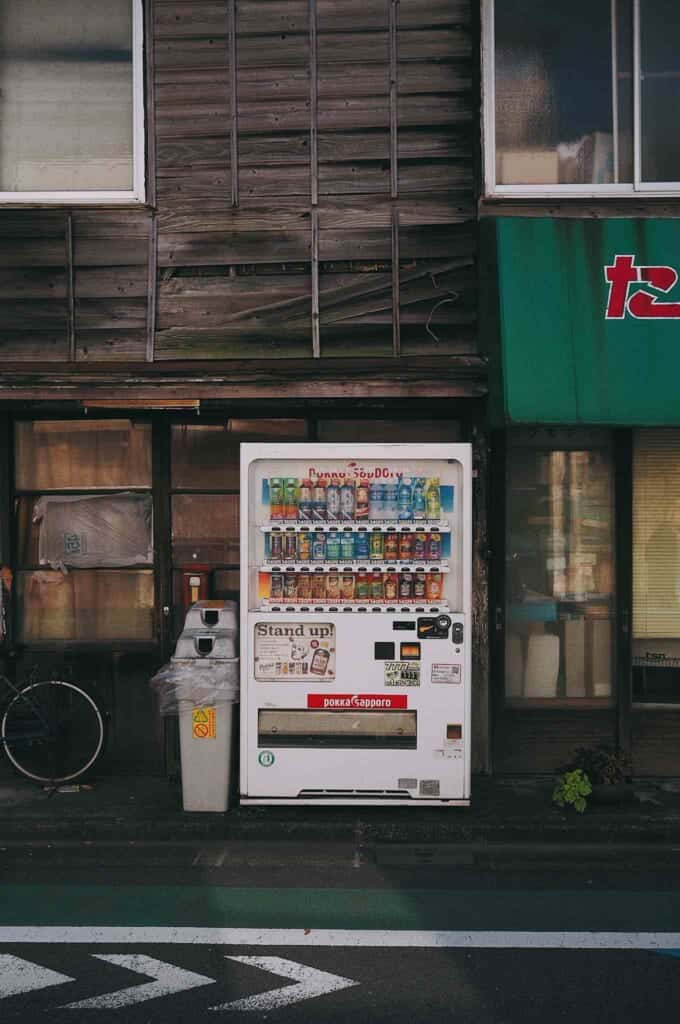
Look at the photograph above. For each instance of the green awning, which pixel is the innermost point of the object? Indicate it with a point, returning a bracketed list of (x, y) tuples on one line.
[(555, 357)]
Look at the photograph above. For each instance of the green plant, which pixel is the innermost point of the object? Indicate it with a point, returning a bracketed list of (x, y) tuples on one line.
[(602, 765), (572, 788)]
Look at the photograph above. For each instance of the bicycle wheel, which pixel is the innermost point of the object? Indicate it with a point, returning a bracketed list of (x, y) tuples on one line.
[(52, 731)]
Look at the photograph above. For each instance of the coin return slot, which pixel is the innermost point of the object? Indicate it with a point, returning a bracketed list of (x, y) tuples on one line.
[(377, 730)]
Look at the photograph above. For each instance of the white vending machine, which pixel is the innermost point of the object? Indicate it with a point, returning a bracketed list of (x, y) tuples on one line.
[(355, 623)]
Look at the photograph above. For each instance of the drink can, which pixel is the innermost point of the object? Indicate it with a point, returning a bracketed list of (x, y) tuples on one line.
[(377, 587), (362, 587), (391, 588), (290, 547), (333, 587), (275, 547), (276, 498), (361, 544), (319, 547), (419, 546), (404, 498), (405, 586), (304, 587), (434, 586), (290, 586), (304, 547), (290, 498), (347, 500), (391, 547), (362, 497), (377, 546), (347, 586), (276, 587), (333, 501), (305, 501), (434, 547), (405, 547), (319, 501), (433, 498), (391, 501), (419, 588), (333, 551), (319, 586), (376, 500), (347, 546)]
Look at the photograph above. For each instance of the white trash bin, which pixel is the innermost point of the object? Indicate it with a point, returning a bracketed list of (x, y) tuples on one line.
[(205, 736)]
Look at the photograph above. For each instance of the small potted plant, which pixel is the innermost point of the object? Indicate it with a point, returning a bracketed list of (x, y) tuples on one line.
[(572, 789), (607, 770)]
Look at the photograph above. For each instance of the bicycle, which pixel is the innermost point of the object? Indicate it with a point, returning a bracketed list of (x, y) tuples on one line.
[(52, 731)]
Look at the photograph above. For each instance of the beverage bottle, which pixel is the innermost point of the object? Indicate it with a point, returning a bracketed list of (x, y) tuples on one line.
[(377, 546), (405, 547), (319, 547), (361, 544), (290, 547), (405, 586), (362, 499), (434, 586), (305, 501), (419, 587), (319, 501), (391, 547), (376, 500), (333, 501), (391, 502), (304, 587), (276, 587), (404, 498), (290, 500), (377, 587), (319, 587), (362, 587), (275, 547), (347, 546), (347, 500), (433, 498), (304, 547), (333, 553), (434, 547), (333, 587), (347, 586), (276, 508), (290, 586), (418, 500), (419, 546), (391, 588)]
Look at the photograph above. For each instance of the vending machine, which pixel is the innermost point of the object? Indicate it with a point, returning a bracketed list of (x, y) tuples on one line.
[(355, 624)]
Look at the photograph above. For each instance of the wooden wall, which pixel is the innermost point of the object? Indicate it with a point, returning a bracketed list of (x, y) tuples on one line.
[(312, 196)]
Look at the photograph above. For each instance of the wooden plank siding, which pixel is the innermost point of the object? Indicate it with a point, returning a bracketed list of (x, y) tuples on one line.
[(311, 194)]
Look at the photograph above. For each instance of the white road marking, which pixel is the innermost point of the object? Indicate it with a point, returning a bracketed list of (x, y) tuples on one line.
[(311, 983), (17, 975), (141, 935), (168, 980)]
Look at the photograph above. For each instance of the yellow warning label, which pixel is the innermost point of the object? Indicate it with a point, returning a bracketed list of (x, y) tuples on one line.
[(204, 723)]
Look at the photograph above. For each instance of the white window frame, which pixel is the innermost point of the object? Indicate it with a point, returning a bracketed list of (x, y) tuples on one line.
[(636, 188), (138, 193)]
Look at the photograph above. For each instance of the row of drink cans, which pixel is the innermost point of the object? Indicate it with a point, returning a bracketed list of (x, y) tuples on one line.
[(402, 498), (332, 588), (347, 547)]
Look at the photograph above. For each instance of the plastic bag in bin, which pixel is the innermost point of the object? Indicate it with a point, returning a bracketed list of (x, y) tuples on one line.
[(197, 683)]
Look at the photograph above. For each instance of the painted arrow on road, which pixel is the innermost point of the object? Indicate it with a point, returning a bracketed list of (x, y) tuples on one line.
[(17, 976), (311, 983), (168, 980)]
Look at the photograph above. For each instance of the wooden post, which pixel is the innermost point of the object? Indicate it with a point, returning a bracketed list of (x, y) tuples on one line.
[(70, 289), (233, 101), (314, 172), (152, 289)]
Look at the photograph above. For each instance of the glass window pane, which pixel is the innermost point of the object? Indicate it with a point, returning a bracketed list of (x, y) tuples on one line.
[(63, 454), (66, 94), (85, 606), (205, 529), (554, 111), (207, 457), (559, 574), (660, 89)]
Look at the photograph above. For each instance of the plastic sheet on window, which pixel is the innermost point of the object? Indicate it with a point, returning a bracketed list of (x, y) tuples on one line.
[(101, 530), (198, 683)]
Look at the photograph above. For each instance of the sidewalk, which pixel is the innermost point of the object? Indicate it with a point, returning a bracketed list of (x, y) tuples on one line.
[(502, 811)]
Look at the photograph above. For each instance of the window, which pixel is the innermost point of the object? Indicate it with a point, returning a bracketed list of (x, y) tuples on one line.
[(84, 530), (559, 638), (581, 97), (71, 102)]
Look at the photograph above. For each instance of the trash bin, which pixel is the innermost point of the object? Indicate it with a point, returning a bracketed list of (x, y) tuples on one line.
[(200, 685)]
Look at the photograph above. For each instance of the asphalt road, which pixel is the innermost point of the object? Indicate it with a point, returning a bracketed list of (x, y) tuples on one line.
[(284, 933)]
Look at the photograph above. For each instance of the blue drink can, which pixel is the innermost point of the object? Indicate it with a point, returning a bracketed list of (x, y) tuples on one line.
[(347, 546), (333, 553), (362, 545)]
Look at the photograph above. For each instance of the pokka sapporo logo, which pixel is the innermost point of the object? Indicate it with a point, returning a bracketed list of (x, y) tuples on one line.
[(640, 303), (351, 471)]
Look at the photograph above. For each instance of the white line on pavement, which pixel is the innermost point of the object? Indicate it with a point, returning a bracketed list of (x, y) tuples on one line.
[(310, 984), (140, 935)]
